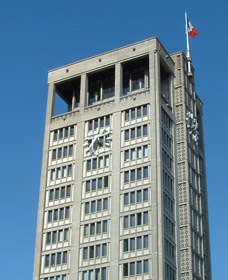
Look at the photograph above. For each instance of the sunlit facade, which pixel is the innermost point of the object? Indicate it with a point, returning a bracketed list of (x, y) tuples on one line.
[(123, 185)]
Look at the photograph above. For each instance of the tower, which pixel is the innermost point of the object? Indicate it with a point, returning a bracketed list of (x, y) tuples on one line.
[(123, 185)]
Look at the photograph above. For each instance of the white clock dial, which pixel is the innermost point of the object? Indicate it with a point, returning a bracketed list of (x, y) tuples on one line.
[(192, 126), (98, 141)]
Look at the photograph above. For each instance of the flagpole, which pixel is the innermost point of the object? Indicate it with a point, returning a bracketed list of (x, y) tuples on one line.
[(188, 55)]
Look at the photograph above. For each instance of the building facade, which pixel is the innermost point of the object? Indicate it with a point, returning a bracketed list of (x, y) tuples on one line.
[(123, 185)]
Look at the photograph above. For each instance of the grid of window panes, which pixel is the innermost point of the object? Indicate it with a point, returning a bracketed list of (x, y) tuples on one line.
[(57, 236), (95, 251), (57, 277), (97, 205), (137, 196), (59, 193), (95, 184), (56, 259), (57, 214), (136, 114), (101, 122), (135, 191), (95, 228), (168, 193), (136, 243), (139, 267), (64, 133), (100, 273)]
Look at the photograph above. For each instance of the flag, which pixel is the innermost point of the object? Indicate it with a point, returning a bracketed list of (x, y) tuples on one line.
[(191, 30)]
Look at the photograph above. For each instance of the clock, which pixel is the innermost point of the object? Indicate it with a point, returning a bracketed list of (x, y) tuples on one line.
[(192, 126), (98, 141)]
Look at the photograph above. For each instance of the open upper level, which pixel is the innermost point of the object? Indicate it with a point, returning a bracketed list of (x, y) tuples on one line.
[(110, 77)]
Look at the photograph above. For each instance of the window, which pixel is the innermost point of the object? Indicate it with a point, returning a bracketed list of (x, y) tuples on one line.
[(136, 196), (136, 153), (97, 163), (167, 122), (95, 274), (135, 75), (167, 160), (62, 152), (136, 219), (57, 277), (136, 243), (101, 86), (99, 122), (58, 214), (136, 113), (136, 268), (96, 205), (167, 181), (170, 272), (168, 203), (96, 228), (56, 259), (169, 226), (95, 251), (133, 175), (135, 132), (63, 133), (61, 172)]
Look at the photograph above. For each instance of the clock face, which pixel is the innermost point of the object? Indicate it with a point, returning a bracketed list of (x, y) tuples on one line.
[(192, 126), (98, 141)]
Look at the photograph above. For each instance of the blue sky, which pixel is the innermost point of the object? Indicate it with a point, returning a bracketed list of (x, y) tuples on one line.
[(37, 36)]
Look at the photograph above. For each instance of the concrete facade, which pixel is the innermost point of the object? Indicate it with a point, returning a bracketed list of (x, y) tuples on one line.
[(123, 184)]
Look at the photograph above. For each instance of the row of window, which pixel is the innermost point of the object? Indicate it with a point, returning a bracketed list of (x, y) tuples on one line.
[(170, 272), (136, 196), (62, 152), (56, 259), (167, 140), (95, 228), (134, 113), (95, 274), (166, 120), (59, 193), (63, 133), (96, 163), (61, 172), (57, 277), (167, 181), (167, 160), (169, 226), (136, 243), (97, 184), (95, 251), (55, 215), (136, 174), (135, 268), (99, 122), (136, 219), (136, 132), (168, 203), (96, 205), (57, 236), (136, 153), (169, 249)]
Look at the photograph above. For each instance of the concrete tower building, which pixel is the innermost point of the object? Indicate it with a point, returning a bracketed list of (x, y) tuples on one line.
[(123, 187)]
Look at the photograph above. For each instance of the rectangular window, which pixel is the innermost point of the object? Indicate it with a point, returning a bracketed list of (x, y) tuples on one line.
[(125, 221), (146, 241), (139, 267), (98, 251), (132, 268), (139, 243), (125, 245), (132, 244)]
